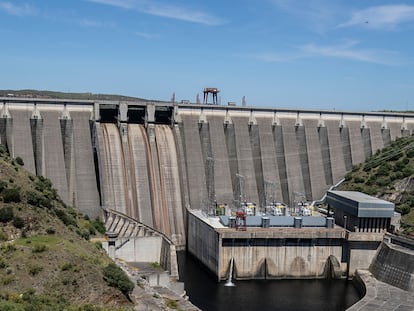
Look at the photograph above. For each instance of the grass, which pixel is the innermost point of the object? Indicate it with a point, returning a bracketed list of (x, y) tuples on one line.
[(46, 257), (51, 241), (172, 304)]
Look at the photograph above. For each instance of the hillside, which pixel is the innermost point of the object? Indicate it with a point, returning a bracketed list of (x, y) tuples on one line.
[(46, 259), (63, 95), (389, 175)]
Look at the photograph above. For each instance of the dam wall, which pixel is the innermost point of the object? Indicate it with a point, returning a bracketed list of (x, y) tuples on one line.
[(290, 154), (55, 140), (152, 161)]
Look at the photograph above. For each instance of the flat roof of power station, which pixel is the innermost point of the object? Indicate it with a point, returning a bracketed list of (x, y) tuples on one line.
[(220, 222), (360, 204), (279, 221)]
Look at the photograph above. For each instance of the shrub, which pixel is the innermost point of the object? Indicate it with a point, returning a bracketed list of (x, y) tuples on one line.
[(98, 245), (9, 248), (99, 226), (370, 182), (3, 149), (410, 200), (410, 153), (2, 264), (11, 195), (407, 171), (35, 269), (117, 278), (384, 169), (171, 303), (398, 166), (355, 168), (383, 181), (19, 161), (396, 175), (7, 281), (50, 230), (18, 222), (6, 214), (83, 233), (405, 160), (51, 194), (33, 197), (3, 236), (44, 185), (39, 248), (91, 229), (371, 190), (36, 198), (155, 265), (67, 266), (404, 209), (3, 185), (66, 218), (359, 179), (28, 294)]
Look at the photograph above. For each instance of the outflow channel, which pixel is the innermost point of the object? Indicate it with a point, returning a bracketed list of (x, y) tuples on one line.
[(264, 295)]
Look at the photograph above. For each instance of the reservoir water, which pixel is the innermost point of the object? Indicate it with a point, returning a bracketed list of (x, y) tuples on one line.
[(264, 295)]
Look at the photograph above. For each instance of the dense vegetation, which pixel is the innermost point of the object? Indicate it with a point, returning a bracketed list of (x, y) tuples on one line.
[(389, 175), (47, 261)]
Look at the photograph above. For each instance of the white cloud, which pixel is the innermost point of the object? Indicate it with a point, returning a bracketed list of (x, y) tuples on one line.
[(318, 15), (384, 16), (90, 23), (164, 10), (272, 57), (17, 10), (146, 35), (345, 50), (349, 50), (125, 4)]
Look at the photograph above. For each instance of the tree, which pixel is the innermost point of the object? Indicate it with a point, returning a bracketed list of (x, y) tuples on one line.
[(6, 214), (117, 278), (11, 195), (19, 161)]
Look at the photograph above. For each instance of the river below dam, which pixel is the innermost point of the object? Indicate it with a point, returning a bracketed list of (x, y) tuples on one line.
[(265, 295)]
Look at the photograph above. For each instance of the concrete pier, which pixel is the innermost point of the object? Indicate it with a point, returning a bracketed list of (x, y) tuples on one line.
[(381, 296)]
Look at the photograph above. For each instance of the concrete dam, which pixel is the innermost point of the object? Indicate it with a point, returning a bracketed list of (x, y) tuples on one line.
[(154, 160)]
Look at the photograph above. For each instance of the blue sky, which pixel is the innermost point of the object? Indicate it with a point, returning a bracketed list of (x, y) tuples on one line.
[(318, 54)]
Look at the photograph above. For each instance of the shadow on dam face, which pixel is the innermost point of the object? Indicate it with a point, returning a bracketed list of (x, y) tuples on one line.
[(109, 114)]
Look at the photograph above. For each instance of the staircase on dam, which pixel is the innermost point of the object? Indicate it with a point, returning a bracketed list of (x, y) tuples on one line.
[(152, 161), (132, 241)]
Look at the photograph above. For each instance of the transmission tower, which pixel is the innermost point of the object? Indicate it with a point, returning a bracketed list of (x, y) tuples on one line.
[(240, 190), (270, 192), (210, 185)]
